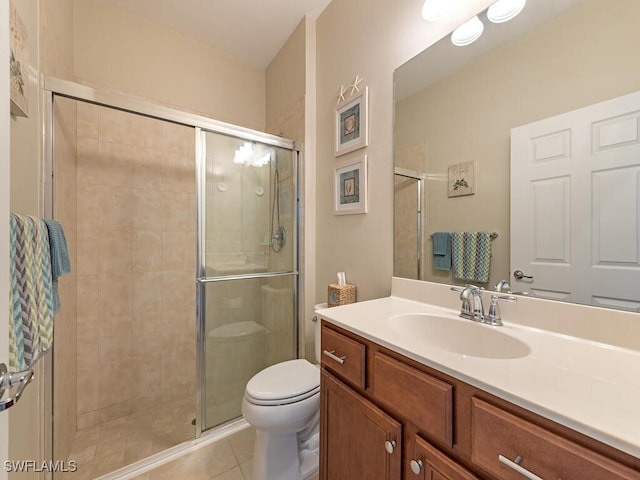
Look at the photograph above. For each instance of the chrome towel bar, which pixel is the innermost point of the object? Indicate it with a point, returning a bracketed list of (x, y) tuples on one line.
[(11, 380)]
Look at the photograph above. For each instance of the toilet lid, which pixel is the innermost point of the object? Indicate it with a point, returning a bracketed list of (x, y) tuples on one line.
[(285, 382)]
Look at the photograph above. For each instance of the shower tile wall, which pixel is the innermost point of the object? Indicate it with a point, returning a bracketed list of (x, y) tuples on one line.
[(136, 263)]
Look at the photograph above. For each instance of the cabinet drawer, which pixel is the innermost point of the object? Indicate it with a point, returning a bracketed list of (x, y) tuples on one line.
[(497, 434), (429, 463), (415, 395), (344, 356)]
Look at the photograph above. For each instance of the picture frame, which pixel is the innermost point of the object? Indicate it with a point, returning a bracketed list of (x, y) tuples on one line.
[(461, 179), (350, 187), (352, 123), (18, 64)]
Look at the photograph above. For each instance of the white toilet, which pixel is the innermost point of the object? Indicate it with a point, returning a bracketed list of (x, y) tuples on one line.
[(283, 403)]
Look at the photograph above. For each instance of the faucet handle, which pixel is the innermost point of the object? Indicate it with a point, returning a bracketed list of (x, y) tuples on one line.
[(493, 316)]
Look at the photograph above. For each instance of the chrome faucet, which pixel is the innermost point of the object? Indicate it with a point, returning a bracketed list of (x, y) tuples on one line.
[(472, 307)]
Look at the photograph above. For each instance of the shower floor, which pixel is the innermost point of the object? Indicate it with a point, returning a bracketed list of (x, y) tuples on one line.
[(107, 447)]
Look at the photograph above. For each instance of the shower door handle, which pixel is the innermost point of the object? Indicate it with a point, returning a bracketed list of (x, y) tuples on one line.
[(331, 354)]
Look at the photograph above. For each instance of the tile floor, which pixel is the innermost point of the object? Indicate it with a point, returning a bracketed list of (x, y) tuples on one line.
[(101, 450), (226, 459)]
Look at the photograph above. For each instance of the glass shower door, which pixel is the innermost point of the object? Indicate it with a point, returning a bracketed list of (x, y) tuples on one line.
[(248, 267)]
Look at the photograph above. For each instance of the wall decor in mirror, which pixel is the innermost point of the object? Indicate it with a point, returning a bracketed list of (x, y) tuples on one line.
[(545, 106)]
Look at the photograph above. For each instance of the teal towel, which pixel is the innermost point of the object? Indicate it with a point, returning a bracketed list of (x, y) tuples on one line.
[(442, 251), (471, 255), (60, 263)]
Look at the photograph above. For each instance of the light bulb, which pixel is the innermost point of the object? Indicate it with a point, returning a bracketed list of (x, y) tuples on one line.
[(468, 32), (505, 10), (433, 10)]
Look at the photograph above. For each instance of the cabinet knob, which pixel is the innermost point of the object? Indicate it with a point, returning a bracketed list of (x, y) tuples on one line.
[(390, 446), (416, 466)]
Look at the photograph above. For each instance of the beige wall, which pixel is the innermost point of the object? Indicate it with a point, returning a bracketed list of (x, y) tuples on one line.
[(370, 39), (285, 86), (56, 29), (26, 419), (121, 52), (468, 115)]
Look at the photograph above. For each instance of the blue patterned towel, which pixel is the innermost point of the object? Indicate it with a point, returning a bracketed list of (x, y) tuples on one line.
[(442, 251), (60, 263), (471, 255), (30, 291)]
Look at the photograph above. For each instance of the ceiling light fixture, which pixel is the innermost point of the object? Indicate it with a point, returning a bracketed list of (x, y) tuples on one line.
[(468, 32), (433, 10), (504, 10)]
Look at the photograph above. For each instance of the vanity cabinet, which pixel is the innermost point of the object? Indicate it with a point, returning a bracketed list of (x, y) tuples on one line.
[(385, 416), (361, 440)]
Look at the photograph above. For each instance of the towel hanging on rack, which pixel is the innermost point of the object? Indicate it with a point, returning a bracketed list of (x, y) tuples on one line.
[(471, 255), (442, 250), (60, 264), (31, 296)]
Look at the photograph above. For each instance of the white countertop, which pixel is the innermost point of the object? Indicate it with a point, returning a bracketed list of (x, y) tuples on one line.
[(591, 387)]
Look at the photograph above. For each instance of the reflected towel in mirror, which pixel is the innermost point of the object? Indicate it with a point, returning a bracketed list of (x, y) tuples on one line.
[(471, 255), (442, 250)]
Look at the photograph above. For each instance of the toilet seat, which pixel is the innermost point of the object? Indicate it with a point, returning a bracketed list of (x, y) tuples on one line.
[(284, 383)]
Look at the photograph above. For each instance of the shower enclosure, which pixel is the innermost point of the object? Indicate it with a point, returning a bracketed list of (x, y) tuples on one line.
[(183, 238), (247, 266)]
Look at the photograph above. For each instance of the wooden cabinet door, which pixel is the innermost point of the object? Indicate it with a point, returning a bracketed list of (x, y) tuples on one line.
[(353, 436), (434, 465)]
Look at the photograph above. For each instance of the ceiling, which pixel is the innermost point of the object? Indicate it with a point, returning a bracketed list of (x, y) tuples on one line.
[(252, 30)]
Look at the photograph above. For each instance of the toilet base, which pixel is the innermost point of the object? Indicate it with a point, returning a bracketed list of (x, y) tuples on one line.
[(284, 447)]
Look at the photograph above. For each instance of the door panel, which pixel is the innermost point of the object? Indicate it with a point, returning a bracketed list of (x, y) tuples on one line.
[(575, 205)]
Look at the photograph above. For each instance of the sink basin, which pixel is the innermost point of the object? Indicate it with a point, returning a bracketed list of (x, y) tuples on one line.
[(459, 336)]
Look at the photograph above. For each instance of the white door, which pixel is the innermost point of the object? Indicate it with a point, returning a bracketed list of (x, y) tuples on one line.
[(575, 205), (4, 217)]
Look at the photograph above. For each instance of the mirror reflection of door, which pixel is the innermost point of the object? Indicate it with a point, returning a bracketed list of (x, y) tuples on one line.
[(575, 205)]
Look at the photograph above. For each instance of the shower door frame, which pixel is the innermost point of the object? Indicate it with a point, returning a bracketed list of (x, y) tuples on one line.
[(63, 88), (420, 180)]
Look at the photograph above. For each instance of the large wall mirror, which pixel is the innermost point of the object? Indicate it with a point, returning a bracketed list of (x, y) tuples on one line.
[(532, 133)]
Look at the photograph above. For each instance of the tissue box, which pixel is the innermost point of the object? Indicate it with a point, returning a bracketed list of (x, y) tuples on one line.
[(338, 295)]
